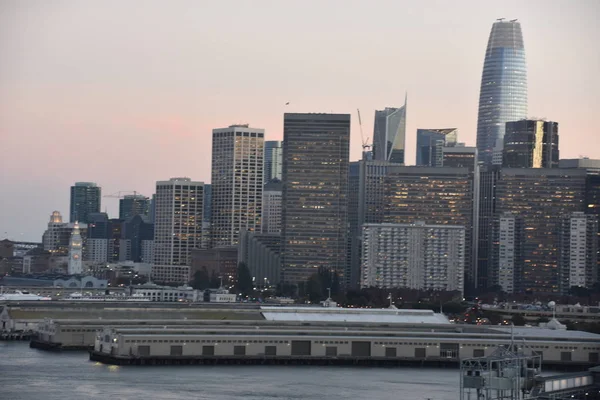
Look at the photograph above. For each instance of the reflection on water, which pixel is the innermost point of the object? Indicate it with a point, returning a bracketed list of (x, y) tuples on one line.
[(27, 374)]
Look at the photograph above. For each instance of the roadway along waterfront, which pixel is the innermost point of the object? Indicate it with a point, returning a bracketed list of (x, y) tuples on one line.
[(29, 374)]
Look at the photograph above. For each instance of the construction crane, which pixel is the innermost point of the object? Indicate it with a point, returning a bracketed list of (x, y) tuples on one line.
[(121, 194), (365, 144)]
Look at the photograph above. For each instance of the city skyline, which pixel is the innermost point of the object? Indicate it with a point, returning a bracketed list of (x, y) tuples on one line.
[(61, 100)]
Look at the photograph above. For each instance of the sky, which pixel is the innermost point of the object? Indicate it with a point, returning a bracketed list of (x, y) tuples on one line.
[(127, 92)]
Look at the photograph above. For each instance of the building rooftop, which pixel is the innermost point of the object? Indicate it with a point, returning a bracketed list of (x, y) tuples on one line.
[(387, 315)]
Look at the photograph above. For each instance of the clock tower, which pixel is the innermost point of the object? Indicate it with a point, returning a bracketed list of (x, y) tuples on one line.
[(75, 252)]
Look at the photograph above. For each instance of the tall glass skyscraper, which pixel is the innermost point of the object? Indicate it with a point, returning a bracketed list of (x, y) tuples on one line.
[(503, 94), (389, 134)]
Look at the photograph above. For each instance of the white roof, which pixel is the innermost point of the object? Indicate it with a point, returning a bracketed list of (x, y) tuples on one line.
[(534, 331), (326, 314)]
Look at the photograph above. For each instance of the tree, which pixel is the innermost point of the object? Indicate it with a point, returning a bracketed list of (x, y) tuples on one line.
[(244, 280), (201, 280), (518, 320)]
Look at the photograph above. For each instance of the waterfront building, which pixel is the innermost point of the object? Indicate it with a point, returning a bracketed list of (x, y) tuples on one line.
[(315, 194), (389, 134), (237, 183), (131, 205), (178, 225), (273, 163), (530, 144), (261, 252), (540, 197), (271, 212), (85, 199), (414, 256), (430, 143), (503, 93), (75, 252), (578, 251), (436, 196)]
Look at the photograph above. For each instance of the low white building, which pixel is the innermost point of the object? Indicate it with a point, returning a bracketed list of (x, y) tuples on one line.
[(415, 256), (169, 294)]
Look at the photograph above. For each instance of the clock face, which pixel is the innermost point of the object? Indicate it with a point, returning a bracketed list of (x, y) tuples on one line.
[(75, 256)]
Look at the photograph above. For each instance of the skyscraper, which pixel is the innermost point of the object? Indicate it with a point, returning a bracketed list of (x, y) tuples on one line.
[(85, 199), (315, 194), (271, 212), (273, 160), (436, 196), (530, 144), (578, 251), (503, 94), (237, 183), (134, 204), (177, 227), (540, 198), (389, 134), (430, 143)]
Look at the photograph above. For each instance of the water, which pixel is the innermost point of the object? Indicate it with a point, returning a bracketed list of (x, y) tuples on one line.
[(28, 374)]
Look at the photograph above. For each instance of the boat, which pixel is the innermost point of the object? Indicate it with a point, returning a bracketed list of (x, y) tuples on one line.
[(77, 296), (24, 295)]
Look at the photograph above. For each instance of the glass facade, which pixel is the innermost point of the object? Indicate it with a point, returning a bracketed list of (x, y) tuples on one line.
[(531, 144), (273, 160), (429, 145), (85, 199), (503, 94), (540, 198), (132, 205), (315, 194), (237, 183), (438, 196), (389, 134)]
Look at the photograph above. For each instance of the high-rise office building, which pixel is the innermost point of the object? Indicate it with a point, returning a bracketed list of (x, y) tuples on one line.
[(57, 238), (503, 94), (430, 143), (262, 255), (237, 183), (436, 196), (273, 160), (530, 144), (459, 156), (177, 227), (540, 197), (506, 251), (315, 194), (138, 232), (389, 134), (366, 204), (592, 191), (96, 245), (85, 199), (134, 204), (578, 251), (415, 256), (271, 212)]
